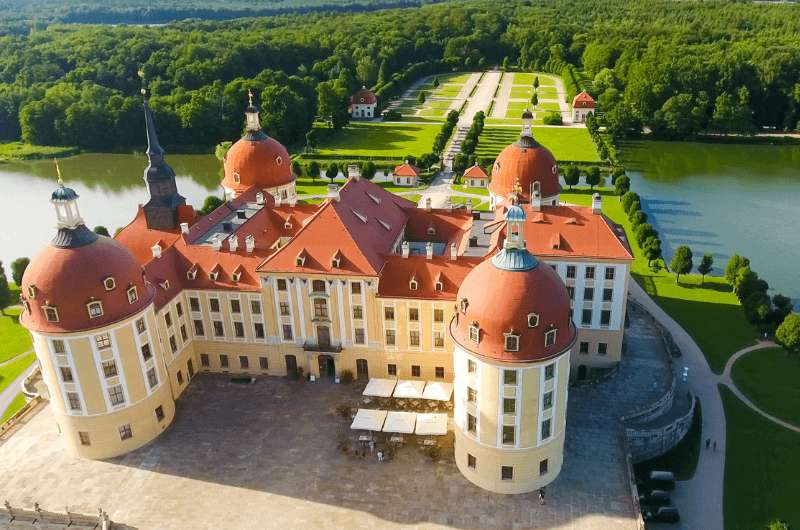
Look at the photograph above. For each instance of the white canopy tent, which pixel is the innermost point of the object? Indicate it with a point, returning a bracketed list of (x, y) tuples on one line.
[(380, 387), (400, 422), (407, 388), (368, 420), (438, 391), (431, 424)]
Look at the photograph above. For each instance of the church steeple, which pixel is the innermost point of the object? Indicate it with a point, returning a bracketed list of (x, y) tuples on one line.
[(161, 211)]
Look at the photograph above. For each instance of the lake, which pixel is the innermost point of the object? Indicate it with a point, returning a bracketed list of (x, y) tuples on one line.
[(724, 199)]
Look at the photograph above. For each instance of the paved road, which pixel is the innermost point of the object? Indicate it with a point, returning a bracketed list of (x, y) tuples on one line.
[(11, 391), (481, 99)]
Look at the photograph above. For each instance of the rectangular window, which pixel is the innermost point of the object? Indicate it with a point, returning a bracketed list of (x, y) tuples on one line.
[(223, 360), (388, 313), (472, 424), (472, 462), (238, 329), (608, 294), (602, 348), (543, 466), (509, 406), (140, 328), (438, 339), (263, 363), (358, 336), (66, 374), (570, 271), (281, 284), (355, 287), (116, 395), (244, 362), (146, 353), (84, 438), (218, 331), (471, 366), (549, 338), (413, 314), (320, 308), (179, 309), (74, 401), (547, 400), (255, 307), (358, 312), (438, 315), (588, 293), (586, 317), (109, 368), (546, 429), (102, 341), (610, 271), (179, 377), (168, 319), (258, 330), (509, 377), (439, 371), (413, 338), (509, 434), (571, 292), (159, 413), (584, 347), (194, 303), (198, 328), (204, 359), (184, 335), (605, 317), (390, 337), (287, 332), (391, 369), (152, 378), (125, 432), (472, 395), (236, 306), (284, 308), (506, 473), (190, 368), (214, 303), (173, 344), (589, 275), (549, 372), (415, 370), (59, 347)]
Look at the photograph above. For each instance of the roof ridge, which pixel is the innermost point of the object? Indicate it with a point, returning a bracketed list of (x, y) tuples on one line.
[(302, 229)]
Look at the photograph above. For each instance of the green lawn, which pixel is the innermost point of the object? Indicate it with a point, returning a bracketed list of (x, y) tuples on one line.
[(446, 91), (770, 379), (710, 313), (12, 370), (474, 191), (22, 151), (305, 186), (392, 187), (15, 338), (457, 78), (526, 78), (17, 403), (477, 204), (761, 469), (378, 139), (413, 197), (567, 144)]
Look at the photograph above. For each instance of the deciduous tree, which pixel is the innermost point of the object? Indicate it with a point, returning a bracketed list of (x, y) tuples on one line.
[(706, 266), (18, 267), (788, 333), (681, 261)]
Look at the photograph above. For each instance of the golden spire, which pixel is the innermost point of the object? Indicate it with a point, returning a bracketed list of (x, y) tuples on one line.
[(58, 172)]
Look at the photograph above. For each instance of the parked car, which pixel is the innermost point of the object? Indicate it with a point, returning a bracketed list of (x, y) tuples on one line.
[(661, 480), (662, 514), (654, 498)]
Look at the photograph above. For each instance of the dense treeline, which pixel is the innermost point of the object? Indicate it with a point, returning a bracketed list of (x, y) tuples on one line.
[(677, 68)]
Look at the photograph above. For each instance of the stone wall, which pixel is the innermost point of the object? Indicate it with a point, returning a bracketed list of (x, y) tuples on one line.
[(655, 409), (645, 444)]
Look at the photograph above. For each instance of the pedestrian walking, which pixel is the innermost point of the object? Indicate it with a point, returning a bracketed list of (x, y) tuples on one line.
[(708, 442), (715, 445), (541, 496)]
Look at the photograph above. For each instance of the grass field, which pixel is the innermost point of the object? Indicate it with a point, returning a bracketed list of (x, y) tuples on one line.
[(770, 379), (378, 139), (526, 92), (761, 469), (15, 338), (526, 78), (477, 204), (710, 313), (22, 151), (12, 370), (456, 77), (446, 91), (17, 403), (516, 108), (567, 144), (475, 191)]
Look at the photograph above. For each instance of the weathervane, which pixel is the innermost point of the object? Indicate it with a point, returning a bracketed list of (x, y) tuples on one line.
[(58, 172), (250, 96)]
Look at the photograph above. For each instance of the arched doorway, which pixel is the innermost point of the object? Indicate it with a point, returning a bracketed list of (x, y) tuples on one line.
[(327, 367), (581, 372), (291, 365), (362, 369)]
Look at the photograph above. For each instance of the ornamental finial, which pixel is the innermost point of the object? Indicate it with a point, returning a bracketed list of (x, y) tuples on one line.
[(58, 172), (250, 96)]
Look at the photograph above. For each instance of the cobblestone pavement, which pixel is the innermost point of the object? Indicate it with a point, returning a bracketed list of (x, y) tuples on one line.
[(265, 456)]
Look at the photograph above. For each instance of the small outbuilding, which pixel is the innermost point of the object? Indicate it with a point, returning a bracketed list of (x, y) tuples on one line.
[(475, 177), (582, 105), (405, 175), (363, 104)]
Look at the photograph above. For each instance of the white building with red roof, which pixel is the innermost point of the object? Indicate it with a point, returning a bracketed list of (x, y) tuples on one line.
[(582, 105), (406, 175), (475, 177), (363, 104)]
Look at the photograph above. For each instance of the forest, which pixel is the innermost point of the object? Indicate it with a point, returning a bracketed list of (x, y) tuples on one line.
[(675, 68)]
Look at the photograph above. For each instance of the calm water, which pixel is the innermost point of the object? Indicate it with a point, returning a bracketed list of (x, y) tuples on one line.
[(724, 199), (110, 188)]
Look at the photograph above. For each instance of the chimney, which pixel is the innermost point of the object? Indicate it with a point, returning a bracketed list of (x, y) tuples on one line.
[(333, 192), (469, 206), (428, 204), (260, 198), (536, 202), (292, 200), (156, 250), (233, 242), (597, 203), (184, 228), (277, 199), (453, 252), (353, 171), (405, 249), (428, 250), (217, 242), (250, 243)]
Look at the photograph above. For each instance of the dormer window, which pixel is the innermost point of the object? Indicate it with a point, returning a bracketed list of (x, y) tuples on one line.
[(191, 273), (236, 177), (50, 313), (164, 285), (511, 341), (109, 283), (439, 286), (133, 296), (336, 262), (95, 309), (533, 320), (431, 231), (550, 337), (287, 225), (537, 186), (31, 292), (413, 285), (475, 333), (214, 274), (279, 160), (463, 304), (236, 275)]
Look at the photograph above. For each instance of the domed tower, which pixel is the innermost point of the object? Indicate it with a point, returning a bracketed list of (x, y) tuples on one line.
[(525, 169), (513, 334), (258, 160), (90, 312)]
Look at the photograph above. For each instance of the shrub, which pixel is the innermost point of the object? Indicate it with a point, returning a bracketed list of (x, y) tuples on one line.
[(788, 333), (636, 218), (346, 377), (628, 199), (553, 118)]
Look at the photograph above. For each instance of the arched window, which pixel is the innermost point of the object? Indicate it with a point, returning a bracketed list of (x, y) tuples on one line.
[(511, 341), (413, 285)]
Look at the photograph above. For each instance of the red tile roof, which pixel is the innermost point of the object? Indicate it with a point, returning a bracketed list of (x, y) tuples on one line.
[(364, 96), (395, 278), (476, 172), (583, 101), (447, 226), (406, 170)]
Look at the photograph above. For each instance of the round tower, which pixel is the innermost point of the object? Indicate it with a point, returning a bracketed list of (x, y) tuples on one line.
[(513, 334), (90, 312)]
